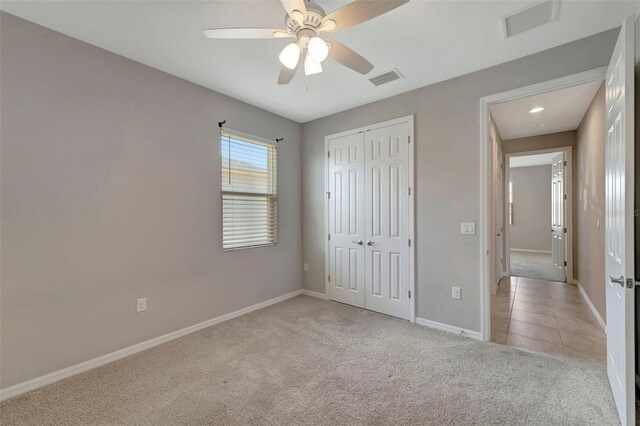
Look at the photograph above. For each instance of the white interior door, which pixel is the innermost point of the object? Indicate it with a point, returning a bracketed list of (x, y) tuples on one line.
[(558, 200), (499, 209), (619, 205), (387, 220), (346, 219)]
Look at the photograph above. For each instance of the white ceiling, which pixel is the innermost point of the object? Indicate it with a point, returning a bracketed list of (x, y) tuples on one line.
[(428, 41), (532, 160), (563, 110)]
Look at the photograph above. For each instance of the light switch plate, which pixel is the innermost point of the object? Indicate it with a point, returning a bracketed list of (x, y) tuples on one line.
[(141, 304), (468, 228), (455, 293)]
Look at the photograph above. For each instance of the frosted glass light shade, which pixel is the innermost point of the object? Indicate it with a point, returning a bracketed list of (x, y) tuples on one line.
[(290, 55), (318, 49), (311, 67)]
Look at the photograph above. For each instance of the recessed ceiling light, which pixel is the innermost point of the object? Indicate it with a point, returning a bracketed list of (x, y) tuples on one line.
[(536, 109)]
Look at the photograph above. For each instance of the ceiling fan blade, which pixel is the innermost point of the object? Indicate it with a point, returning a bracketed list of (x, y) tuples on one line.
[(349, 58), (286, 74), (245, 33), (291, 6), (360, 11)]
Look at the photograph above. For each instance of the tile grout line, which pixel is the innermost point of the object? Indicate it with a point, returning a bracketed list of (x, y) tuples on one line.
[(513, 301)]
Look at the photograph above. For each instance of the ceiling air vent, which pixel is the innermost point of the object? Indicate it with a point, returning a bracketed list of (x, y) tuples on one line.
[(529, 18), (386, 77)]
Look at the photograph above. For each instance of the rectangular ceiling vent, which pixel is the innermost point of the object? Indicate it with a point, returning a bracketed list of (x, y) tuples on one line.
[(529, 18), (386, 77)]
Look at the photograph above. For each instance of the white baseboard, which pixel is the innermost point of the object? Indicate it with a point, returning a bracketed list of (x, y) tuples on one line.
[(315, 294), (47, 379), (593, 308), (449, 328), (531, 251)]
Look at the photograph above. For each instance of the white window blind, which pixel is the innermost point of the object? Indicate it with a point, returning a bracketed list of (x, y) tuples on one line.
[(249, 191)]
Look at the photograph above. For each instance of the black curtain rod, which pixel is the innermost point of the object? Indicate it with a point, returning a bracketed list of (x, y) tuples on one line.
[(220, 123)]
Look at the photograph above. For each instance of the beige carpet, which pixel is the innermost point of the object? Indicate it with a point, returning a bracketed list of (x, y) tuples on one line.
[(535, 265), (307, 361)]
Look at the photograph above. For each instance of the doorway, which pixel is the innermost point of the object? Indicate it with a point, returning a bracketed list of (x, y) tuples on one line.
[(369, 218), (538, 306), (488, 179), (539, 232)]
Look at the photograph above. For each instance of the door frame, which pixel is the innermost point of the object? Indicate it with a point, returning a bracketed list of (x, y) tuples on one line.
[(410, 119), (487, 253), (568, 219), (495, 150)]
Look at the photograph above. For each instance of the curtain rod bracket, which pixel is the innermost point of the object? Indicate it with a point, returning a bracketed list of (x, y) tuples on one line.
[(278, 140), (220, 123)]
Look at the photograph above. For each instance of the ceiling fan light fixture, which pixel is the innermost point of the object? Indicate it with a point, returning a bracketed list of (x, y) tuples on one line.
[(311, 67), (318, 49), (290, 55)]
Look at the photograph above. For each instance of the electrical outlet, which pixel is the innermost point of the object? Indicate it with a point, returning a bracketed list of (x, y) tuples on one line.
[(141, 304), (306, 267), (455, 293)]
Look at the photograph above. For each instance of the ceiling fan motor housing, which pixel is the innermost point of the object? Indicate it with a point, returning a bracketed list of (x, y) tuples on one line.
[(312, 21)]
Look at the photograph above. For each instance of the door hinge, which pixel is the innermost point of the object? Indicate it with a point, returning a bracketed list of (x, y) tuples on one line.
[(409, 139), (565, 230), (328, 154), (329, 236), (328, 195), (565, 196), (565, 263), (409, 190), (409, 294), (630, 283), (409, 242), (565, 162), (329, 278)]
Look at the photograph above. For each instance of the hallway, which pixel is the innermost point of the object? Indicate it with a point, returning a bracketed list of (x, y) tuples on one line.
[(549, 318)]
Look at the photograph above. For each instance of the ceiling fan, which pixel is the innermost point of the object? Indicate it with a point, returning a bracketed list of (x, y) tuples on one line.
[(306, 22)]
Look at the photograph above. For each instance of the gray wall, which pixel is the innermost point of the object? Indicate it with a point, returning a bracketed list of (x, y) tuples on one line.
[(534, 143), (531, 229), (110, 192), (589, 207), (447, 172)]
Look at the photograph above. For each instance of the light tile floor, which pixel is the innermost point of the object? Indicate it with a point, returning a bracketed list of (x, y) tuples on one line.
[(549, 318)]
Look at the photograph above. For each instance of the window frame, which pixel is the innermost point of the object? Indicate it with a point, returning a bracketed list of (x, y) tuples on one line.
[(249, 138)]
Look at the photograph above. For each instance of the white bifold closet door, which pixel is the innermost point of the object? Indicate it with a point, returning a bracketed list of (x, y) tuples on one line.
[(369, 220), (346, 219)]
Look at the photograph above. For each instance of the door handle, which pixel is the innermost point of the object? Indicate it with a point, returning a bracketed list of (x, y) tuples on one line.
[(370, 243), (617, 280), (359, 242)]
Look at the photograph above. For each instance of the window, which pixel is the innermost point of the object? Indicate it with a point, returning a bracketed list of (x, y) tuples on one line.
[(249, 191)]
